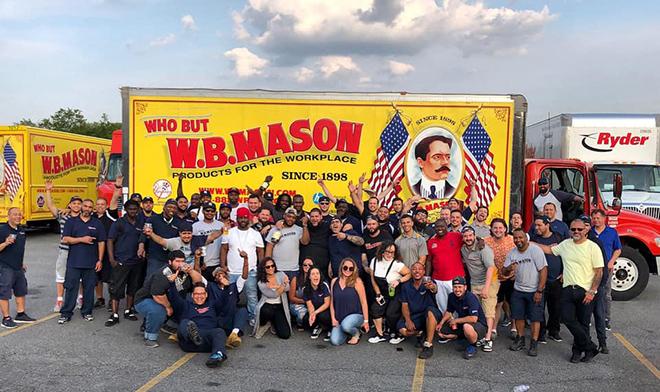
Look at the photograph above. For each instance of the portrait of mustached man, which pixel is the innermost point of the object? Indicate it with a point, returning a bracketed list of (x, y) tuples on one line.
[(433, 155)]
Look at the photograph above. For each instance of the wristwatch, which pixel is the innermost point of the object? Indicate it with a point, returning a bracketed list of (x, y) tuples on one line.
[(592, 292)]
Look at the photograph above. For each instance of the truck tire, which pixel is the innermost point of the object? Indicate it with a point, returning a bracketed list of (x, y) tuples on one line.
[(630, 276)]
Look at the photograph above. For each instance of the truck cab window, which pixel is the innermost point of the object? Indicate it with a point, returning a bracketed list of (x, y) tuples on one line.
[(569, 181)]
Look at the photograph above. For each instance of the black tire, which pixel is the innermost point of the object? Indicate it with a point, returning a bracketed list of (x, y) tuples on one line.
[(630, 259)]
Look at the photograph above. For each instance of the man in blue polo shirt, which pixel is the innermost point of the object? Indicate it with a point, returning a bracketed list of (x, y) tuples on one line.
[(164, 225), (86, 237), (556, 226), (470, 326), (126, 265), (12, 269)]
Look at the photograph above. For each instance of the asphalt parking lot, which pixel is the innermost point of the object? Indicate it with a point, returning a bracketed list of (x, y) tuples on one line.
[(81, 356)]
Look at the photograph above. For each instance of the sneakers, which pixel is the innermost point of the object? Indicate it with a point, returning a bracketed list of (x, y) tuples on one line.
[(129, 315), (233, 341), (488, 346), (79, 302), (99, 303), (577, 354), (462, 345), (112, 321), (533, 348), (377, 339), (23, 318), (151, 343), (427, 352), (193, 333), (419, 341), (603, 348), (442, 340), (513, 334), (216, 359), (167, 329), (589, 355), (506, 321), (58, 305), (608, 327), (493, 334), (480, 342), (518, 343), (251, 322), (8, 323), (327, 337), (470, 352), (262, 330), (556, 337), (396, 339), (63, 320), (316, 332), (542, 340), (88, 317)]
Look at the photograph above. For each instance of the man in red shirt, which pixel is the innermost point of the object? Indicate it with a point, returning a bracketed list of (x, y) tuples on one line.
[(444, 261)]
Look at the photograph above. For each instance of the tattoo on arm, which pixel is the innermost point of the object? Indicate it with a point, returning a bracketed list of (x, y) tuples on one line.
[(598, 276)]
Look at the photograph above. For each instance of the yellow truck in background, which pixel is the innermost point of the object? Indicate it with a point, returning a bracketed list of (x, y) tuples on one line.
[(31, 156)]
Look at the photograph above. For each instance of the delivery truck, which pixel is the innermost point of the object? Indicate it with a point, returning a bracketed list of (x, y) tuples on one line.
[(431, 145), (106, 185), (31, 156), (627, 143)]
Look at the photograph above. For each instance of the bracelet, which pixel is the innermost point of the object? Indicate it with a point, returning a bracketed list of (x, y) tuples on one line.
[(118, 187), (366, 320)]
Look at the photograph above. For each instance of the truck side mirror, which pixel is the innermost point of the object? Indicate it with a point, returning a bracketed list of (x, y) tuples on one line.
[(617, 181)]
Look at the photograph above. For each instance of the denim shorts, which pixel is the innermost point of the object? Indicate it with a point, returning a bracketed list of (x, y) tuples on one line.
[(12, 280), (523, 306)]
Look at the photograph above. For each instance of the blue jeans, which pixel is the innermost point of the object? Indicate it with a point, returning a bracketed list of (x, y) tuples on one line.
[(154, 265), (154, 316), (346, 329), (235, 319), (599, 315), (299, 311), (71, 283), (250, 290), (213, 340)]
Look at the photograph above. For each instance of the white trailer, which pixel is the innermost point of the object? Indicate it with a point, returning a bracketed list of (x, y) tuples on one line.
[(628, 143)]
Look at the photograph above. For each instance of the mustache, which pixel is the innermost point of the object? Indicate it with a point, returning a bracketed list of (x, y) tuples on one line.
[(443, 168)]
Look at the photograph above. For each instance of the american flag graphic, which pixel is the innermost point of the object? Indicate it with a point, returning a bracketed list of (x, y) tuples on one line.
[(13, 178), (388, 166), (479, 166)]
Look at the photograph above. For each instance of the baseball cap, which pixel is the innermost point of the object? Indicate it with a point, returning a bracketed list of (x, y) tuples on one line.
[(75, 198), (185, 226), (544, 218), (417, 211), (232, 190), (458, 280), (242, 212), (130, 202), (454, 200), (468, 228), (204, 193), (268, 196), (585, 219), (370, 217), (334, 218), (208, 205), (136, 195), (291, 210), (225, 205), (543, 181), (219, 269), (148, 198), (170, 201), (324, 198)]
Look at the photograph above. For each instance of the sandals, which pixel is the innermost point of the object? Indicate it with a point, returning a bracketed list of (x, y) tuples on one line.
[(356, 342)]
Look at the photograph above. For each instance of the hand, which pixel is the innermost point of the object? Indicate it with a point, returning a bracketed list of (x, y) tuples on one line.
[(87, 240), (415, 198), (266, 229), (351, 187), (268, 178), (48, 185), (141, 253), (24, 267), (98, 266), (113, 262), (147, 231), (347, 227), (453, 324), (365, 325), (304, 220), (588, 298), (320, 181), (610, 266), (438, 328), (286, 279), (169, 310), (255, 220), (335, 323), (561, 278), (224, 281), (181, 175), (410, 326), (431, 286), (362, 178), (394, 283), (279, 224), (537, 298), (367, 270), (340, 236), (484, 294), (9, 240), (65, 212), (198, 252), (173, 276), (119, 180), (243, 254), (481, 244), (312, 318), (202, 267)]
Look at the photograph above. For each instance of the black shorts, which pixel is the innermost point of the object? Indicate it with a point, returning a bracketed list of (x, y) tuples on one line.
[(12, 280), (419, 319), (478, 327), (105, 274), (506, 288), (523, 306), (126, 280)]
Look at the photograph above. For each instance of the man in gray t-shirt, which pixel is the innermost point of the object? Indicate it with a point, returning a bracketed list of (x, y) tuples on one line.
[(283, 244), (531, 268)]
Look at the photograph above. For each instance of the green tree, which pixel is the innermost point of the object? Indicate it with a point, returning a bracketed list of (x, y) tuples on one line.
[(73, 121)]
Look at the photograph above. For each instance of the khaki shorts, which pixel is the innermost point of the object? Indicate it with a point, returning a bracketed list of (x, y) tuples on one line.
[(488, 305)]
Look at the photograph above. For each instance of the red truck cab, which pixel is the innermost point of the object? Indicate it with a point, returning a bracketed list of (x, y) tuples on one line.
[(639, 234), (112, 168)]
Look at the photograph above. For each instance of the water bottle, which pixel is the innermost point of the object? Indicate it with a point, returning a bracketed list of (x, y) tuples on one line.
[(392, 291), (521, 388)]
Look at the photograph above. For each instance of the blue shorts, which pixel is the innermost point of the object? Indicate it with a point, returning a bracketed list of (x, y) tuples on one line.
[(419, 319), (523, 306), (12, 280)]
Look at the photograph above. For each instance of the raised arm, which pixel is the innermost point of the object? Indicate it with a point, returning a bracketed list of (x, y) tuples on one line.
[(326, 191), (119, 181), (49, 200)]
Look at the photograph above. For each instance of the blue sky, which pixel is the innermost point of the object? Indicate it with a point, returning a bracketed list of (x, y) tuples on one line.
[(564, 56)]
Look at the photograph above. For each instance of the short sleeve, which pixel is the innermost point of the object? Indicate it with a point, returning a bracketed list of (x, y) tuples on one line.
[(173, 243), (101, 236), (423, 250), (258, 240), (403, 296), (487, 256), (68, 228), (539, 259), (508, 260), (269, 237), (114, 230), (616, 244), (596, 256), (558, 249)]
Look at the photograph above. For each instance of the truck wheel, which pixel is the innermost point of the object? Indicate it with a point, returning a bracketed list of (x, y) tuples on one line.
[(630, 276)]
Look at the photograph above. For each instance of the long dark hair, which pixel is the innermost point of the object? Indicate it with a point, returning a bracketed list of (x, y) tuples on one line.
[(279, 199), (261, 269), (303, 277), (308, 289), (381, 251)]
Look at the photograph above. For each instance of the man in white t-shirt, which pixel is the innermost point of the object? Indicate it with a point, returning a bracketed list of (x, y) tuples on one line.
[(554, 196), (243, 238), (202, 229), (183, 243)]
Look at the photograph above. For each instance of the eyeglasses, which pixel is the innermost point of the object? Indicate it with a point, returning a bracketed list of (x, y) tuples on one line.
[(389, 251), (269, 266), (307, 265), (199, 293), (209, 210), (576, 229), (347, 268)]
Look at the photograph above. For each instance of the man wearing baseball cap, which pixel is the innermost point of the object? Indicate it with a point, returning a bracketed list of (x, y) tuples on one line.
[(324, 206), (147, 208), (224, 215), (164, 226), (233, 194), (470, 325), (205, 198), (207, 232), (284, 247), (554, 196)]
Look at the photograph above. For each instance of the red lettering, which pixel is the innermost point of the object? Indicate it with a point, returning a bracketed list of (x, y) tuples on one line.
[(39, 148), (185, 125), (151, 126), (46, 163), (205, 123), (248, 148), (214, 153), (277, 139), (296, 131), (66, 159), (643, 140), (318, 133), (183, 153), (56, 165), (171, 125), (604, 138), (350, 134)]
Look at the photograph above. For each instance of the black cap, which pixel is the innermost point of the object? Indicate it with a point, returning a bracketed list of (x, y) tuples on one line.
[(458, 280), (170, 201), (148, 198), (586, 219), (204, 193), (453, 199), (185, 226), (543, 181), (467, 228), (131, 202), (324, 198), (268, 196), (371, 217), (134, 195), (208, 205), (544, 218), (75, 198), (421, 210)]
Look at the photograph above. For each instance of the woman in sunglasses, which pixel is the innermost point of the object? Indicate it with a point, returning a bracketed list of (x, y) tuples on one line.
[(349, 305), (271, 311), (296, 301), (316, 294)]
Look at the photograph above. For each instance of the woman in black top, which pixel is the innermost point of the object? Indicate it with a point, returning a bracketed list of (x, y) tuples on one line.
[(316, 294)]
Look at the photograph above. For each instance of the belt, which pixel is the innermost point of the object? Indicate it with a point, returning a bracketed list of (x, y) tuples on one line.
[(575, 287)]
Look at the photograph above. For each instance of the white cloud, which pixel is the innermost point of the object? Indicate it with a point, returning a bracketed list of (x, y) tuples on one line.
[(168, 39), (240, 32), (246, 63), (333, 65), (188, 22), (304, 75), (400, 69), (297, 29)]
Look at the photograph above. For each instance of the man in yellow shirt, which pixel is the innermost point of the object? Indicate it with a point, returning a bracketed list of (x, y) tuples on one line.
[(583, 270)]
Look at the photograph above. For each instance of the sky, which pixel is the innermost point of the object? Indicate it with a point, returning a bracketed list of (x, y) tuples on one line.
[(564, 56)]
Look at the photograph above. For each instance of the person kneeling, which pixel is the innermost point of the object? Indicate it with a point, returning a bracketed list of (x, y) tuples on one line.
[(470, 326)]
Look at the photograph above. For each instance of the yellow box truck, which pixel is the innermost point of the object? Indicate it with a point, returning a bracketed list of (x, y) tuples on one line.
[(31, 156)]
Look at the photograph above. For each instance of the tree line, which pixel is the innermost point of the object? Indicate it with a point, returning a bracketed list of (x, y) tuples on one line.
[(73, 121)]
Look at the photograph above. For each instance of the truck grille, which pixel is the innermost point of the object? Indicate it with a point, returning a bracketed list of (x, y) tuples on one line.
[(653, 212)]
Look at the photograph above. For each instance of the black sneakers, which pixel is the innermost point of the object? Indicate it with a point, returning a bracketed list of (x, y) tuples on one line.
[(427, 352), (556, 337), (129, 315), (589, 355), (112, 321), (8, 323), (23, 318), (518, 343), (99, 303), (533, 348), (216, 359), (193, 333), (603, 348)]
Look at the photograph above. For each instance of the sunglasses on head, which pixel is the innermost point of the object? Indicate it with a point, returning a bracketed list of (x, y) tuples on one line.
[(347, 268), (576, 229), (269, 266)]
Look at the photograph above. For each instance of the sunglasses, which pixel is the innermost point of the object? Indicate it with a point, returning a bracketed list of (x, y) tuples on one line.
[(209, 210), (307, 265), (324, 203), (269, 266), (347, 268), (576, 229)]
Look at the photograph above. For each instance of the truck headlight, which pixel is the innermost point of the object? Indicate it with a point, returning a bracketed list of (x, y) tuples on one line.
[(657, 242)]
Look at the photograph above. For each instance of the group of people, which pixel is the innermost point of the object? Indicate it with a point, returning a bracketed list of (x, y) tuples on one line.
[(189, 269)]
